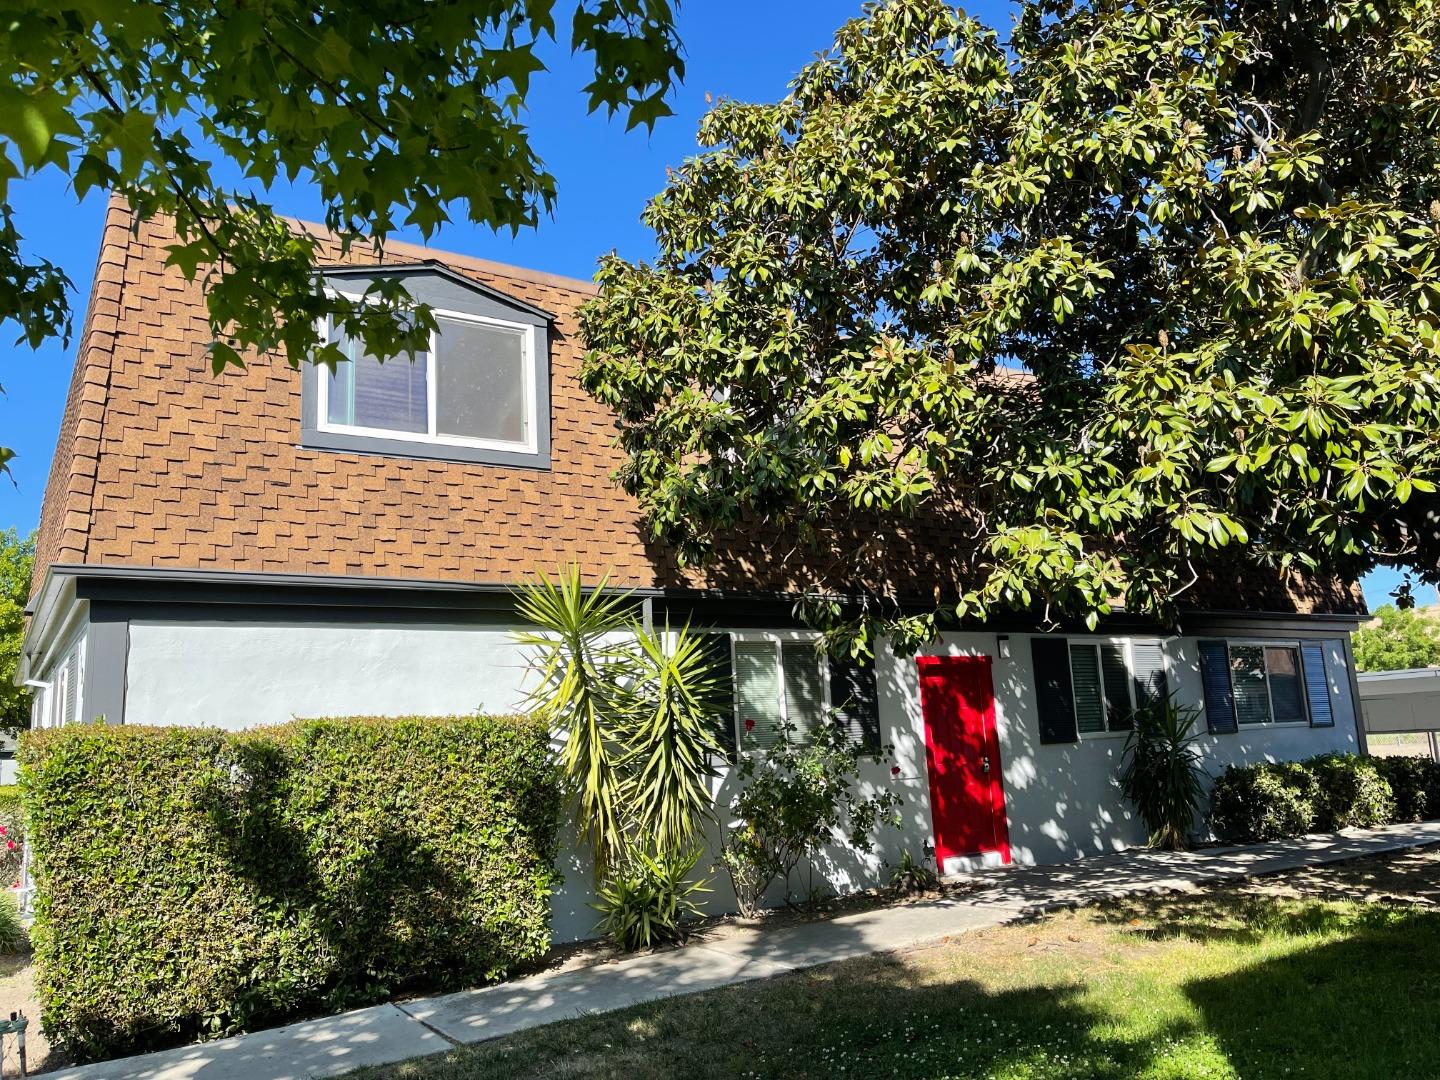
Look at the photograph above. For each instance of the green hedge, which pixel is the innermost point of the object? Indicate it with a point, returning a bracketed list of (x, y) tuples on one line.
[(1415, 783), (192, 881), (1273, 800)]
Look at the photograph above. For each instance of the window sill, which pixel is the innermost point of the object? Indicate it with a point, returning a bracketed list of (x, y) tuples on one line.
[(335, 441), (1281, 726)]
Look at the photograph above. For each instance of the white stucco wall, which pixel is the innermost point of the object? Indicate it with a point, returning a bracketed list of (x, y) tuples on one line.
[(1061, 800), (237, 675)]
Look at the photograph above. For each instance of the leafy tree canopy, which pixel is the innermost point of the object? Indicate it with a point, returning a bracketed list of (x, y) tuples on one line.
[(1146, 292), (1400, 638), (398, 112), (17, 560)]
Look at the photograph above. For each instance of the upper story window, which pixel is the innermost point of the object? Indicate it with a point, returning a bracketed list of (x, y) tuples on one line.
[(479, 393), (474, 386)]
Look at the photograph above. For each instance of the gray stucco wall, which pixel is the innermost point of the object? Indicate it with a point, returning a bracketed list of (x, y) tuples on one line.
[(1061, 800)]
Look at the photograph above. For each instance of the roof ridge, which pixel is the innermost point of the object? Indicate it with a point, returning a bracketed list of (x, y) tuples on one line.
[(387, 248)]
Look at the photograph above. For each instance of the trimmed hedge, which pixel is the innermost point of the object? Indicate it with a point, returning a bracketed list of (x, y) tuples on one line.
[(1415, 783), (1264, 801), (1353, 793), (1273, 800), (193, 881)]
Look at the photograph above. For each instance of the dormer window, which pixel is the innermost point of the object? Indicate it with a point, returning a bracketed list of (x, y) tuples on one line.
[(479, 393), (474, 386)]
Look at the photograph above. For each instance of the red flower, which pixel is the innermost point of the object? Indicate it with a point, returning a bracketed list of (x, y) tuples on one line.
[(894, 770), (10, 845), (17, 884), (749, 724), (4, 831)]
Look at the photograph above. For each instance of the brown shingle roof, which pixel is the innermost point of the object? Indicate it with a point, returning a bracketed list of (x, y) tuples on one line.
[(161, 464)]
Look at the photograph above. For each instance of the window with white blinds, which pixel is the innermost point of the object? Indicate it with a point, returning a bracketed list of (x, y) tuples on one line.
[(65, 687), (777, 683), (1251, 683), (472, 387), (1109, 680)]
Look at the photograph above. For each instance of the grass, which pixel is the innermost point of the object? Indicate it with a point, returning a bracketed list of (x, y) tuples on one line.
[(1237, 982)]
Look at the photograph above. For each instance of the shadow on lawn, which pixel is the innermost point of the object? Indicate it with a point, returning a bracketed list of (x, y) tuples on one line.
[(1240, 918), (871, 1019), (1324, 991), (1361, 1007)]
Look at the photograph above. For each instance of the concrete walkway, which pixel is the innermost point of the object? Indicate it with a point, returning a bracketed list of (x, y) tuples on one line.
[(388, 1033)]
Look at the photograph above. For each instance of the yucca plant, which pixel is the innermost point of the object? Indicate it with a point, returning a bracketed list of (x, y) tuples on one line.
[(647, 900), (677, 696), (581, 673), (1161, 774), (637, 708)]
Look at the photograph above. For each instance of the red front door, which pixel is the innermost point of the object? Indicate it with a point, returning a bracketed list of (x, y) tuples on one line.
[(967, 799)]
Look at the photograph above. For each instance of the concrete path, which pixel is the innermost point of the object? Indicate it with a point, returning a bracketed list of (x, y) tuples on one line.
[(386, 1033)]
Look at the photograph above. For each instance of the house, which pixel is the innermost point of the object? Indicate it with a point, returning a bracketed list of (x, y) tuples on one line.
[(238, 550)]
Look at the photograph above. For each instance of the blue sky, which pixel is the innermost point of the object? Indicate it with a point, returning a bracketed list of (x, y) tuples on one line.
[(744, 49)]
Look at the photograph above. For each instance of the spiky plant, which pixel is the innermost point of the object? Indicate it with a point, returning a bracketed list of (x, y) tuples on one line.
[(1161, 774), (638, 709)]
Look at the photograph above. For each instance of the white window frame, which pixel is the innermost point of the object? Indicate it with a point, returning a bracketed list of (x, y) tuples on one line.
[(57, 693), (529, 336), (1263, 644), (1127, 646), (776, 638)]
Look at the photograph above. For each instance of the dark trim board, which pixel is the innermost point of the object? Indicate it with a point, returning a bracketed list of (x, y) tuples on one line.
[(431, 267), (675, 606), (107, 649), (312, 615)]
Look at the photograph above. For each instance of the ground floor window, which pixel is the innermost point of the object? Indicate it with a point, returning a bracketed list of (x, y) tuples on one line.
[(1254, 683), (59, 703), (1089, 687), (785, 681)]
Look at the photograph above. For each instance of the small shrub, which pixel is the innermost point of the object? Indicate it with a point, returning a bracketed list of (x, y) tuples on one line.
[(910, 876), (645, 901), (1353, 793), (13, 938), (1264, 801), (1161, 774), (795, 798), (1415, 783), (192, 881)]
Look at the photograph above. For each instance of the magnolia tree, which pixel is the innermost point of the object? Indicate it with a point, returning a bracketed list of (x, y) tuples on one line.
[(1144, 293), (397, 112)]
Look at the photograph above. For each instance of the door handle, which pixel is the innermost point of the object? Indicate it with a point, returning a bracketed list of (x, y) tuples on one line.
[(985, 765)]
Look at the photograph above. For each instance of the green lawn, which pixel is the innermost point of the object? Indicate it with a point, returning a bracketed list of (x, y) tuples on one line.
[(1335, 975)]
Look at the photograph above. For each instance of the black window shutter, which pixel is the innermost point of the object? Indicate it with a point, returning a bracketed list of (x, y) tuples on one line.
[(1317, 686), (856, 702), (1053, 697), (1219, 693), (717, 651)]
